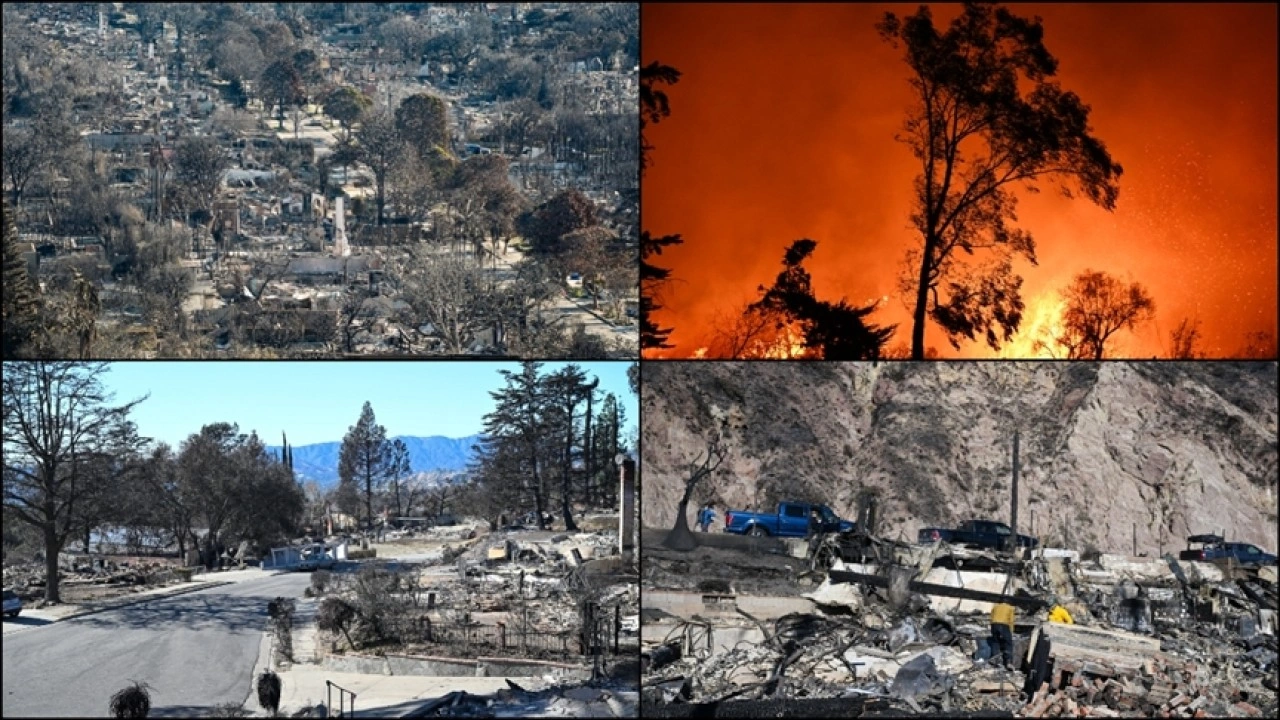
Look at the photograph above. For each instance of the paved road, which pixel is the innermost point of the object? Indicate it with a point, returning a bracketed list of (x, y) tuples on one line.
[(195, 651)]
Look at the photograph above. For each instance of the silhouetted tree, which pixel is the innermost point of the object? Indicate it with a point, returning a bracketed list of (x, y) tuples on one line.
[(654, 106), (1258, 345), (1098, 306), (836, 331), (1184, 339), (987, 120)]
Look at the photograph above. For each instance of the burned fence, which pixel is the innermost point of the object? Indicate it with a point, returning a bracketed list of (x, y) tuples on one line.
[(601, 636)]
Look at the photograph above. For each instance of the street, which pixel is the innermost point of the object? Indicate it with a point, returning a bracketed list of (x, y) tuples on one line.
[(195, 651)]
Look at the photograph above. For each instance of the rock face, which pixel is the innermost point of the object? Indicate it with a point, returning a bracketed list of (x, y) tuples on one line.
[(1173, 448)]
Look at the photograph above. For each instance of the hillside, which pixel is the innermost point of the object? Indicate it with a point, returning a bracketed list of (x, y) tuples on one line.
[(319, 462), (1175, 448)]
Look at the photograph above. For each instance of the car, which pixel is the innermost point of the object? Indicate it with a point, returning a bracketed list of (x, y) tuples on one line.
[(316, 557), (12, 604)]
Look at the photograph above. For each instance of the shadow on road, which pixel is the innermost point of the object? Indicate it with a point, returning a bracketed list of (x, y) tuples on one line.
[(28, 620), (185, 711), (197, 611)]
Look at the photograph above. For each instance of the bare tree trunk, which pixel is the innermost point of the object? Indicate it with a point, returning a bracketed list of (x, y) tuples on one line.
[(51, 549), (680, 538)]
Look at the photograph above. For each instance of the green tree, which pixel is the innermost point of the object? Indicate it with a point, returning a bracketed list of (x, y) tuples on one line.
[(281, 85), (566, 212), (381, 148), (60, 430), (21, 305), (367, 460), (512, 457), (347, 105), (987, 119), (237, 488), (423, 121)]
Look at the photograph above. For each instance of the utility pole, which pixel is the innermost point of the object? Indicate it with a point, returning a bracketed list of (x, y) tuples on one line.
[(1013, 511)]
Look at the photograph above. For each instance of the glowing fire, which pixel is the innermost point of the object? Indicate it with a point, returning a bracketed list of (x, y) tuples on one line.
[(1041, 322)]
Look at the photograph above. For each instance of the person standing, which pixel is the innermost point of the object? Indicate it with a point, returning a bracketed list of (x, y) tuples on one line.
[(705, 517), (1002, 615)]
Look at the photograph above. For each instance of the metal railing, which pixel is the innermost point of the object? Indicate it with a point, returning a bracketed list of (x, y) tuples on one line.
[(344, 710)]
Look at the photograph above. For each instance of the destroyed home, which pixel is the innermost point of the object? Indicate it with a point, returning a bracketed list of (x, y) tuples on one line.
[(899, 611)]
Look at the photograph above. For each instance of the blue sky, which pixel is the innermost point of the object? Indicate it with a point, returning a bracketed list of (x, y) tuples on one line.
[(316, 401)]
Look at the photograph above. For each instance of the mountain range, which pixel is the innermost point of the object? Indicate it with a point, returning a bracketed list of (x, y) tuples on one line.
[(1111, 454), (434, 454)]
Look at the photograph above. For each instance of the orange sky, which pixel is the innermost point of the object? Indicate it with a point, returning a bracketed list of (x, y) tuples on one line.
[(782, 127)]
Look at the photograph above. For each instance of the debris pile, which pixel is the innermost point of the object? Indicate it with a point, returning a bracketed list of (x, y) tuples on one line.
[(910, 633)]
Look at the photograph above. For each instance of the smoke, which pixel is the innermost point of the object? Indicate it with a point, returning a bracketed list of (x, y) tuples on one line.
[(783, 126)]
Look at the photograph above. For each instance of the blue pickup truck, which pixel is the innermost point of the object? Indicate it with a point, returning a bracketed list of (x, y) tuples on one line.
[(1214, 547), (979, 533), (791, 520)]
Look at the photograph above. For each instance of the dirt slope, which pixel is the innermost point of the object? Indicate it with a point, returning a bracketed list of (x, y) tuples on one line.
[(1175, 448)]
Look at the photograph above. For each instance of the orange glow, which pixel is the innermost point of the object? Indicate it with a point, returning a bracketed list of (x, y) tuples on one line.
[(782, 127)]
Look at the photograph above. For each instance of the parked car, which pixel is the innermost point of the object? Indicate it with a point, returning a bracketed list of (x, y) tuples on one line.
[(979, 533), (12, 604), (791, 520), (316, 557), (1214, 548)]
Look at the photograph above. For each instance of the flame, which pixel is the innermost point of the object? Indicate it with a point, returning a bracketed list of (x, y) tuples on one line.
[(1041, 323), (700, 353)]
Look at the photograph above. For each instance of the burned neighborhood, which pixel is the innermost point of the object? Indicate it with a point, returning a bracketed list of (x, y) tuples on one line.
[(977, 540), (488, 572), (320, 180)]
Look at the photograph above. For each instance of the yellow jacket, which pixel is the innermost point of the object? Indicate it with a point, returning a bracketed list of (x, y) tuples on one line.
[(1002, 614), (1059, 614)]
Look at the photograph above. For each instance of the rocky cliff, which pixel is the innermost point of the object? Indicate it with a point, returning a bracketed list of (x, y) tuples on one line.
[(1171, 448)]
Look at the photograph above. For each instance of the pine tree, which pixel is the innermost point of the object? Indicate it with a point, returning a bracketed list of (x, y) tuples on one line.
[(21, 306), (368, 461)]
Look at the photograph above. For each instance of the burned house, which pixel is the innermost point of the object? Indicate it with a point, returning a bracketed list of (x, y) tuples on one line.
[(335, 271)]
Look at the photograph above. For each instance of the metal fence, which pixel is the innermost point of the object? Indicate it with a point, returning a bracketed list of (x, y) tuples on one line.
[(598, 636)]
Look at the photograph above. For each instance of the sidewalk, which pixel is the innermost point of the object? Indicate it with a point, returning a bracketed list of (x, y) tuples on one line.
[(393, 695), (34, 617)]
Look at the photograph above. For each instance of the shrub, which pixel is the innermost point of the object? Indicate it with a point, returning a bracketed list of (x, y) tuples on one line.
[(336, 615), (132, 702), (362, 554), (320, 581), (269, 691)]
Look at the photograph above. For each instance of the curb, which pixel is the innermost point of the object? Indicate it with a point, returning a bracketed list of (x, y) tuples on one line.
[(139, 600)]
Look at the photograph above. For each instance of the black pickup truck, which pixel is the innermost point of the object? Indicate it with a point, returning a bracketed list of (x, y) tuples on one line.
[(980, 533)]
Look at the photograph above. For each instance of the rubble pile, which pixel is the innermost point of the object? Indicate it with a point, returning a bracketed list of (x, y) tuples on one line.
[(79, 573), (1150, 637), (603, 699), (1207, 673)]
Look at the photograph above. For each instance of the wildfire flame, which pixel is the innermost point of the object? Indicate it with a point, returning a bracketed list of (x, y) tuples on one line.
[(1041, 323)]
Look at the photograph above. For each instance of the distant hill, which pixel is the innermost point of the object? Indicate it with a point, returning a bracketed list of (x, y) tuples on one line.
[(319, 462)]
